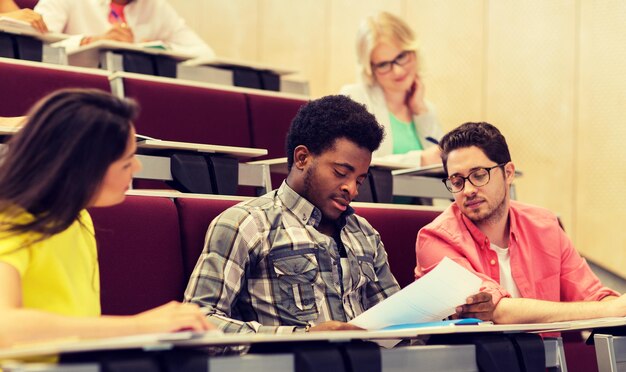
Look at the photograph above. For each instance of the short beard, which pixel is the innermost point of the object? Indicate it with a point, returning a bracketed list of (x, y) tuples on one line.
[(494, 216), (308, 182)]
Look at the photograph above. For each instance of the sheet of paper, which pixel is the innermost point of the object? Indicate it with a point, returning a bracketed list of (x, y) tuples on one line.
[(433, 297)]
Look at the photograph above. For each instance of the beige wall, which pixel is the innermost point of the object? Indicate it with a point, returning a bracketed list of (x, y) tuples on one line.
[(550, 74)]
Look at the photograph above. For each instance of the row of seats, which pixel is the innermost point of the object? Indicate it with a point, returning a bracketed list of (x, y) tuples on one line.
[(171, 109), (148, 246)]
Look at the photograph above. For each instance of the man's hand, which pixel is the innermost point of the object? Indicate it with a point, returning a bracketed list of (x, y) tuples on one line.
[(477, 306), (334, 325)]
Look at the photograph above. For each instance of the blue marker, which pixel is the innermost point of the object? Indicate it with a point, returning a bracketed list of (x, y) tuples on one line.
[(432, 140)]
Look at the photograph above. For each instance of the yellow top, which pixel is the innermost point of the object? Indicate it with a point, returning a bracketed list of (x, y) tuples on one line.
[(59, 274)]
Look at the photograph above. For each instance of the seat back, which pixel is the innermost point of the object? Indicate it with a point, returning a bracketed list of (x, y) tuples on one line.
[(23, 83), (140, 256), (270, 118), (398, 230), (195, 216), (188, 113)]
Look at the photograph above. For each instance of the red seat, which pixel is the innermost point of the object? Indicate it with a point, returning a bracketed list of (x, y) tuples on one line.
[(270, 118), (24, 83), (187, 113), (398, 230), (195, 216), (141, 264)]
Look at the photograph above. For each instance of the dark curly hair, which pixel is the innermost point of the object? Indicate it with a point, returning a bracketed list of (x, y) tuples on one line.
[(320, 122), (482, 135)]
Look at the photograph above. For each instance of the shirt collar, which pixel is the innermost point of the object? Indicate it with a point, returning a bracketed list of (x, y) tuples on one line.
[(304, 209), (478, 235)]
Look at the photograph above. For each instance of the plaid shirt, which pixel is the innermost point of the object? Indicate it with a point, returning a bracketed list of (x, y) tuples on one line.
[(266, 268)]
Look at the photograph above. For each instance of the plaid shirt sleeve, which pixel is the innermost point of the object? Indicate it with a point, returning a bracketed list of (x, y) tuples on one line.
[(219, 274)]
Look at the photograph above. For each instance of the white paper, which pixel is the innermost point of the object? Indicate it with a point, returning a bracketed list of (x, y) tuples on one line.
[(433, 297)]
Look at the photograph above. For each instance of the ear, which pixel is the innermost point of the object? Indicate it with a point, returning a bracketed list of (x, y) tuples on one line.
[(509, 172), (301, 157)]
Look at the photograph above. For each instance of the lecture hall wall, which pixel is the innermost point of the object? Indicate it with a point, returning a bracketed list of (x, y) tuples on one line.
[(550, 74)]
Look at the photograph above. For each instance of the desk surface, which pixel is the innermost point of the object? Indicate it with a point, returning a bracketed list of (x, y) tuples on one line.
[(228, 62), (122, 46), (240, 152), (213, 338)]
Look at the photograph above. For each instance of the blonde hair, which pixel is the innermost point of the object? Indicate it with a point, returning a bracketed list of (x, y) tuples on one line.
[(377, 28)]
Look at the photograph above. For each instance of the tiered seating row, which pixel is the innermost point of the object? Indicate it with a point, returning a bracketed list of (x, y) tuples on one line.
[(148, 246), (171, 109)]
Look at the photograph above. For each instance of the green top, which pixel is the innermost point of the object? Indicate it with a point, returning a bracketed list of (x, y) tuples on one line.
[(404, 136)]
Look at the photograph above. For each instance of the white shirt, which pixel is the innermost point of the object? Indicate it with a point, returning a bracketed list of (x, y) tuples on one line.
[(506, 279), (150, 20)]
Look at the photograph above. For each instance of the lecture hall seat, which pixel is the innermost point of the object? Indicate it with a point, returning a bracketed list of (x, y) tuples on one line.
[(270, 118), (398, 230), (24, 83), (139, 251), (188, 113)]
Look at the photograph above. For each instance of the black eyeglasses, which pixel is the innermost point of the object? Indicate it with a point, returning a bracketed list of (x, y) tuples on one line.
[(401, 59), (478, 177)]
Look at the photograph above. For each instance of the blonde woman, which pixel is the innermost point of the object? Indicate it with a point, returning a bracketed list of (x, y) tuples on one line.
[(392, 89)]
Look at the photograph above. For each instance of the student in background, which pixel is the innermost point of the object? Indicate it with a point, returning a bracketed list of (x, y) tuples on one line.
[(8, 8), (129, 21), (526, 261), (393, 90), (77, 150)]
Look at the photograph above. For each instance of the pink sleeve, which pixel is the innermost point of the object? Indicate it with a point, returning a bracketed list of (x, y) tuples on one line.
[(578, 282), (431, 247)]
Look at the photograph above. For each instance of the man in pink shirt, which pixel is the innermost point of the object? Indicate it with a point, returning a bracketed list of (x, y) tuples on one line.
[(527, 262)]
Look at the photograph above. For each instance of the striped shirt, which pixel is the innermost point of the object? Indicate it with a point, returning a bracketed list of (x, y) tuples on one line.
[(266, 268)]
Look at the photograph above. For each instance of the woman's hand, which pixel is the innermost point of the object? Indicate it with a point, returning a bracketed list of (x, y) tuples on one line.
[(171, 317), (415, 97)]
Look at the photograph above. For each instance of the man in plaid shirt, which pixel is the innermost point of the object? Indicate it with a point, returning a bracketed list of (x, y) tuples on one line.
[(298, 258)]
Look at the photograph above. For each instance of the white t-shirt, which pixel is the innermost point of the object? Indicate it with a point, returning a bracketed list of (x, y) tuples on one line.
[(506, 279)]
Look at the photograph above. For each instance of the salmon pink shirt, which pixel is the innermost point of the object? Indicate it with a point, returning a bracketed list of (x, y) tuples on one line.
[(544, 263)]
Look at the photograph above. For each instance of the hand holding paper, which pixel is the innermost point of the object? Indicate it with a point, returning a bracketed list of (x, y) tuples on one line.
[(433, 297)]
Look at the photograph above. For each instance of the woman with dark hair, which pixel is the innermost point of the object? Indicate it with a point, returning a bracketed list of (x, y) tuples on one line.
[(76, 150)]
